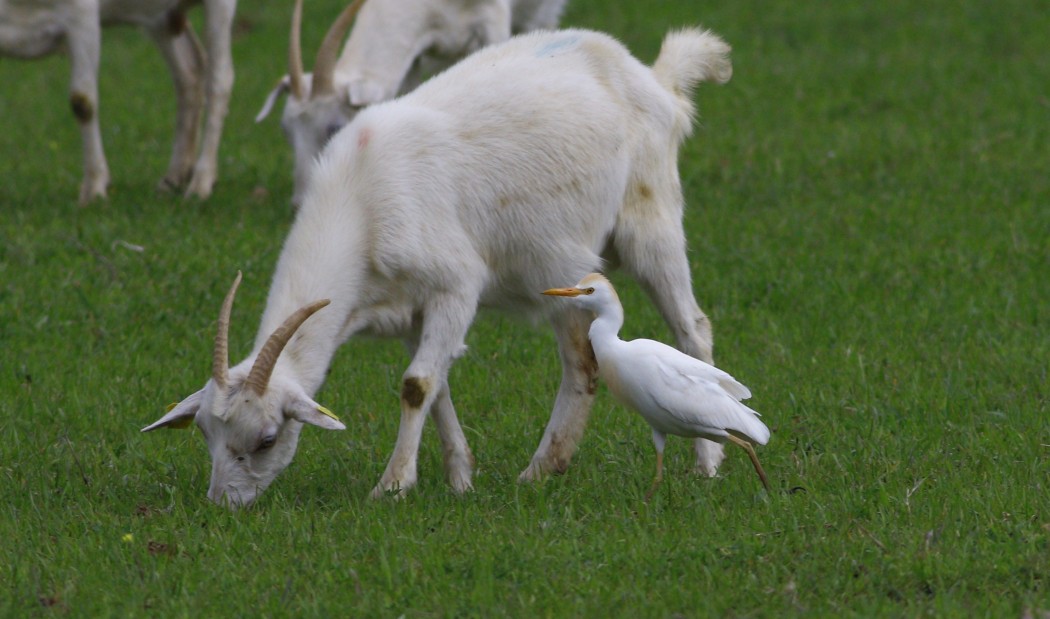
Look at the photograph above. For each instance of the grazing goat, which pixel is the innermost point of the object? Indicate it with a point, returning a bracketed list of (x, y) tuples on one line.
[(393, 47), (521, 167), (35, 28)]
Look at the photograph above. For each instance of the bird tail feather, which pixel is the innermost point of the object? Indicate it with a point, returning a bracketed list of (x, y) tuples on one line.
[(751, 427)]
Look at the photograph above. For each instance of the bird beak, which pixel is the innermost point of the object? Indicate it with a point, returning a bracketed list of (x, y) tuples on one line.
[(563, 292)]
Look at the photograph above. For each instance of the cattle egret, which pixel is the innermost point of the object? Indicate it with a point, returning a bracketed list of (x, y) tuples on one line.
[(677, 394)]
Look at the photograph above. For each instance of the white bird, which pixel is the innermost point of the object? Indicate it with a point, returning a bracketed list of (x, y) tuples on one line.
[(677, 394)]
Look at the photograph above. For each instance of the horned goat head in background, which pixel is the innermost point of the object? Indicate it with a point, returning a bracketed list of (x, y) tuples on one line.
[(314, 111), (391, 47), (250, 418)]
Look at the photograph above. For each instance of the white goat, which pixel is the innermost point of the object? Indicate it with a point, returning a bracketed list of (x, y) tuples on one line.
[(393, 47), (517, 169), (35, 28)]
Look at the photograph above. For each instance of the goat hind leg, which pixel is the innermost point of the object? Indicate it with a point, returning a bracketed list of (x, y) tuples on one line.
[(579, 381), (654, 253), (671, 291), (219, 23), (182, 52)]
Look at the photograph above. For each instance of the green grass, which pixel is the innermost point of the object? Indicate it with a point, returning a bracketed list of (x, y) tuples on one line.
[(869, 223)]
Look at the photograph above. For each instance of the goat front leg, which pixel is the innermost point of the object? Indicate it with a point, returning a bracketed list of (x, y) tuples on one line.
[(219, 24), (84, 41), (445, 323), (579, 381), (459, 462), (185, 59)]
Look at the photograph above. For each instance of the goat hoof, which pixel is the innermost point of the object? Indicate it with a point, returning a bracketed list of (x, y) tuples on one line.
[(461, 484), (91, 192), (395, 489), (168, 185), (534, 472), (200, 186), (709, 456)]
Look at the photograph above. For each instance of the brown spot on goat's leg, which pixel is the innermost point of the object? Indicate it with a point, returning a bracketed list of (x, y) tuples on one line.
[(414, 391), (83, 109), (559, 455), (587, 363), (176, 23)]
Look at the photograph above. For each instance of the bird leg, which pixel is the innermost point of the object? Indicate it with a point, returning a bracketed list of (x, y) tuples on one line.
[(659, 475), (754, 459)]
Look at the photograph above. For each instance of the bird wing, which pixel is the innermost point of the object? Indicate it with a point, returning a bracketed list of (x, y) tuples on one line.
[(691, 369), (695, 397)]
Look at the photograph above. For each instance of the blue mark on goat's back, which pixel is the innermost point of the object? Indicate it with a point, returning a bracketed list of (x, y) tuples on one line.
[(561, 44)]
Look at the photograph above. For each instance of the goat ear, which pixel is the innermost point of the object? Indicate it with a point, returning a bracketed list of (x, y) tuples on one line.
[(306, 410), (179, 415), (279, 89)]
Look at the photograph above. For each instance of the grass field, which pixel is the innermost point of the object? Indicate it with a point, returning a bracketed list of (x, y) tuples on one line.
[(869, 223)]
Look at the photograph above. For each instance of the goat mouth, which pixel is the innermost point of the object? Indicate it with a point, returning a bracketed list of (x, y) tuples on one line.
[(233, 499)]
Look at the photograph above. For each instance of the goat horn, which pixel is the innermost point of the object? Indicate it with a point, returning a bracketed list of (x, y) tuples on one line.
[(324, 66), (220, 361), (295, 52), (259, 377)]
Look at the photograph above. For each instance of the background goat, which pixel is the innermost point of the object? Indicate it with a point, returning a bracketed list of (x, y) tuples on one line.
[(35, 28), (515, 170), (393, 47)]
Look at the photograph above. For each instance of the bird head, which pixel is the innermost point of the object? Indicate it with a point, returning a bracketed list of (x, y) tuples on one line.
[(593, 292)]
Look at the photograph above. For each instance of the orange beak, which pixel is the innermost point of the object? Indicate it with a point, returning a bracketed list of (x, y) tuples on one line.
[(563, 292)]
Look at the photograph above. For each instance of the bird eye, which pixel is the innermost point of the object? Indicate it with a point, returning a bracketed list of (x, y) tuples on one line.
[(590, 290)]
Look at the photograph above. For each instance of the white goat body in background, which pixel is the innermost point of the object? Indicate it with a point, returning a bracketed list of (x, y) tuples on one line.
[(35, 28), (394, 45), (519, 168)]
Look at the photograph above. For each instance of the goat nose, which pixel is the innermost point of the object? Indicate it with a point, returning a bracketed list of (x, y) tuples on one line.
[(217, 496), (234, 498), (229, 500), (227, 497)]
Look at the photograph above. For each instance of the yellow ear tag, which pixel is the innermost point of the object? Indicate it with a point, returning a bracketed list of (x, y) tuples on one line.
[(326, 412), (181, 424)]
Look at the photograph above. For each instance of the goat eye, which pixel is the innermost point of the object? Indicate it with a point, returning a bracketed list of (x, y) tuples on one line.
[(331, 130), (267, 443)]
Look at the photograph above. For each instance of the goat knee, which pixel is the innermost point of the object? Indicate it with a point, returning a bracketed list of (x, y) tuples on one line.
[(414, 390), (83, 107)]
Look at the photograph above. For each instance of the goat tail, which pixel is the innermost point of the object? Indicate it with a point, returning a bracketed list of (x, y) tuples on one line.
[(688, 57)]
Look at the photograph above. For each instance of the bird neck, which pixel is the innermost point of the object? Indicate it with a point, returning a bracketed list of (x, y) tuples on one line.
[(605, 329)]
